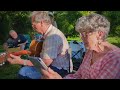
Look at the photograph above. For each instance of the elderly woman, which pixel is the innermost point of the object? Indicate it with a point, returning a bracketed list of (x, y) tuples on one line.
[(102, 59)]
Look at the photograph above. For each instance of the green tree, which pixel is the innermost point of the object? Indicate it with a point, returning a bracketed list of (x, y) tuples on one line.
[(17, 20), (66, 20), (114, 18)]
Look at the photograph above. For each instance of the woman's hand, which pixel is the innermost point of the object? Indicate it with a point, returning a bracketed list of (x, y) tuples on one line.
[(15, 59), (50, 74)]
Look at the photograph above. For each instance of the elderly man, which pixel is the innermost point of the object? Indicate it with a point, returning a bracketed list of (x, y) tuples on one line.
[(54, 50), (15, 40)]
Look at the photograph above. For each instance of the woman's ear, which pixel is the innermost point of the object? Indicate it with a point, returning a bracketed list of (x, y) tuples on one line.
[(100, 34)]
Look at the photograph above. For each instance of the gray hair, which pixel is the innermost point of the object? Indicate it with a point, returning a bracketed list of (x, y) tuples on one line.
[(94, 22), (41, 15), (51, 14), (11, 31)]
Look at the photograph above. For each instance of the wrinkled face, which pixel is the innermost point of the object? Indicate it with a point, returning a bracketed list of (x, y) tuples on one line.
[(37, 26), (13, 35), (90, 39)]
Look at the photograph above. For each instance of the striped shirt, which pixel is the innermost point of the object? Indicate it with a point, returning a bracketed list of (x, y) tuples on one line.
[(55, 47), (108, 67)]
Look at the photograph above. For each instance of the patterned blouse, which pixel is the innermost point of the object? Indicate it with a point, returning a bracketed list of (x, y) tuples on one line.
[(108, 67)]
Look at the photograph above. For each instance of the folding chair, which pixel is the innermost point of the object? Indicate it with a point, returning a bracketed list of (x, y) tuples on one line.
[(78, 51)]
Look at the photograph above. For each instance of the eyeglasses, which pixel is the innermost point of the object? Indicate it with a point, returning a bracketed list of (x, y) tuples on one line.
[(86, 34)]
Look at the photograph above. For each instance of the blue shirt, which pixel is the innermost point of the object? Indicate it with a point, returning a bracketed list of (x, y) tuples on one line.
[(14, 42)]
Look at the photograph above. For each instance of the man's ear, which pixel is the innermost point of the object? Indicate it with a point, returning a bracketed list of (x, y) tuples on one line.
[(41, 23)]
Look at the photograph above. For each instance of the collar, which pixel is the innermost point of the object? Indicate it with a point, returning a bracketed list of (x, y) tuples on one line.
[(48, 31)]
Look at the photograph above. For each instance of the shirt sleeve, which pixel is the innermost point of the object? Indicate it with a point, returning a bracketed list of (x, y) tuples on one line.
[(51, 48), (111, 69)]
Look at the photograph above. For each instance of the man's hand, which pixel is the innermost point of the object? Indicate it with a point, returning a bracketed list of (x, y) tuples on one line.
[(50, 74), (15, 59), (22, 43), (22, 46)]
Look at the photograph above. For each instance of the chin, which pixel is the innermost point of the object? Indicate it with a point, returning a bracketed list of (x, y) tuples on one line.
[(87, 48), (14, 37)]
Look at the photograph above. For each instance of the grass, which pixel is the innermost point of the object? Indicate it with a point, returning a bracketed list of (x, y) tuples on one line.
[(9, 71), (112, 40), (73, 38)]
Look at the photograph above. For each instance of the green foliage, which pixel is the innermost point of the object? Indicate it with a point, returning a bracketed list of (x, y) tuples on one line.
[(66, 20), (114, 18), (17, 20), (20, 21), (114, 40)]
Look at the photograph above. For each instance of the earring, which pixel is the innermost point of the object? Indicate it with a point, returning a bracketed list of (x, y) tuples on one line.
[(99, 42)]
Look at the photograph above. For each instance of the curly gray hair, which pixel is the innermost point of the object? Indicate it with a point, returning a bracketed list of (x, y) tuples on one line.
[(41, 15), (94, 22)]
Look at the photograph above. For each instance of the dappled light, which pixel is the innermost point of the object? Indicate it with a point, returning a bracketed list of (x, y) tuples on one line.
[(21, 23)]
